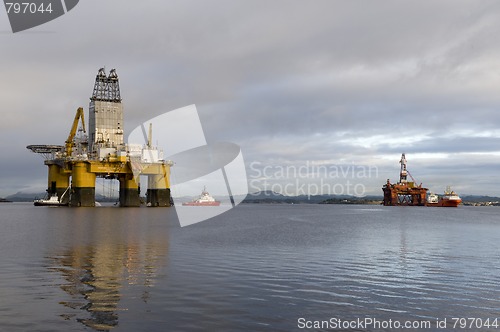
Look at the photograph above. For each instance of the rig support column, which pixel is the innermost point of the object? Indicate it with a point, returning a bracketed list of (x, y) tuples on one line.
[(58, 182), (158, 193), (82, 185), (129, 191)]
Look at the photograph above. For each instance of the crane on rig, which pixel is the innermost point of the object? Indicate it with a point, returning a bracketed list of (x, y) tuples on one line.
[(70, 142)]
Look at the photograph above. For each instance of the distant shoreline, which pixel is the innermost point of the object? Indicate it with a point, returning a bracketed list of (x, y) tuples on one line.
[(268, 197)]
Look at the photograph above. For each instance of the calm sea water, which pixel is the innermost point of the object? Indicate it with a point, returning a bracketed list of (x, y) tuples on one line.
[(255, 268)]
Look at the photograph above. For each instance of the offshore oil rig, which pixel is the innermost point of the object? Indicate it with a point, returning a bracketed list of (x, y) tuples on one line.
[(404, 192), (74, 166)]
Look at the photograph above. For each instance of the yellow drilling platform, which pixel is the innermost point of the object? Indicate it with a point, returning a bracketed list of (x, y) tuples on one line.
[(74, 166)]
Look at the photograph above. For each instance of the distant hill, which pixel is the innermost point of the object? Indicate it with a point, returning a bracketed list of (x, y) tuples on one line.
[(270, 197), (265, 194), (25, 197), (477, 199)]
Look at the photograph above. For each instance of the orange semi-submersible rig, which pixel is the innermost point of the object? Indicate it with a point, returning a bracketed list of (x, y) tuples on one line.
[(404, 192), (408, 194)]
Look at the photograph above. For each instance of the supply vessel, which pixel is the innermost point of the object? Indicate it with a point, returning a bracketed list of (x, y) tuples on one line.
[(203, 200), (449, 199)]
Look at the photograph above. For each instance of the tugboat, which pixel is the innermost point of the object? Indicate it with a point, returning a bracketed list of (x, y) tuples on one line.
[(449, 199), (204, 200), (52, 200)]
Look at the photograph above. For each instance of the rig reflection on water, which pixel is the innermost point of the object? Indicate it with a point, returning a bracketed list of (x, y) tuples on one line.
[(96, 273)]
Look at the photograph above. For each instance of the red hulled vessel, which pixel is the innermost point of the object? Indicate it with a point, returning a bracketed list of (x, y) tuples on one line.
[(204, 200)]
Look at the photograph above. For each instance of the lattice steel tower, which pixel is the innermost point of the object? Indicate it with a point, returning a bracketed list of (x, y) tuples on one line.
[(105, 113)]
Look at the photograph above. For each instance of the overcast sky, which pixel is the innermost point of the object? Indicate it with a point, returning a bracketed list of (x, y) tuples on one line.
[(333, 83)]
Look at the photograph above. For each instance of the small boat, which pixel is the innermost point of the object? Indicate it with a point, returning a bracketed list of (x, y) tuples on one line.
[(52, 200), (204, 200), (4, 200), (449, 199)]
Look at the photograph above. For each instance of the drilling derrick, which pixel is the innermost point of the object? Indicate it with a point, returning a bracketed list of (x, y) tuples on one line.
[(404, 173), (78, 163), (105, 114), (404, 192)]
